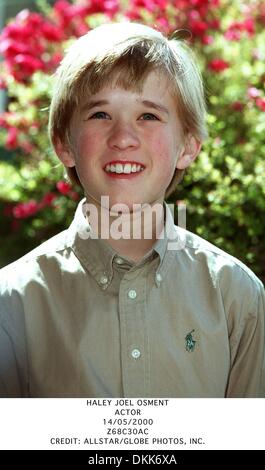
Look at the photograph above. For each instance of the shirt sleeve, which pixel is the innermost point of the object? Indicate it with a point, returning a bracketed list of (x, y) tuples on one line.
[(9, 376), (247, 373), (13, 362)]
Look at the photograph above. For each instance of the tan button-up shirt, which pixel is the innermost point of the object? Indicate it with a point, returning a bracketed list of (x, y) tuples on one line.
[(78, 320)]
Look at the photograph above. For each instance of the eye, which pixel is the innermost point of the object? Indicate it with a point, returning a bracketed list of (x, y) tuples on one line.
[(99, 115), (149, 117)]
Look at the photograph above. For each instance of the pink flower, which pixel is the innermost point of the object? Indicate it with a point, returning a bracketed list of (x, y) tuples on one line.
[(47, 200), (232, 35), (260, 102), (53, 62), (249, 26), (3, 84), (10, 48), (196, 15), (109, 7), (207, 40), (149, 5), (200, 3), (12, 138), (25, 209), (51, 32), (237, 106), (28, 62), (26, 146), (156, 7), (25, 44), (74, 195), (214, 24), (218, 65), (253, 92), (238, 27), (163, 24), (63, 187), (4, 120), (198, 26)]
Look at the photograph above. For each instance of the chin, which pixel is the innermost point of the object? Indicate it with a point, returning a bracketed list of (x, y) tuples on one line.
[(123, 205), (121, 208)]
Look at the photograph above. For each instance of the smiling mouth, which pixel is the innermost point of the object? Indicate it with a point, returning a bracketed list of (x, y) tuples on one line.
[(118, 168)]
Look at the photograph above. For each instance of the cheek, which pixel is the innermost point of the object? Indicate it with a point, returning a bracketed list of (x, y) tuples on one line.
[(163, 151), (87, 143), (86, 147)]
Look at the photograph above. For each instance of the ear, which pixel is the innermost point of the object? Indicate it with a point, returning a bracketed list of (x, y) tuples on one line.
[(64, 152), (190, 151)]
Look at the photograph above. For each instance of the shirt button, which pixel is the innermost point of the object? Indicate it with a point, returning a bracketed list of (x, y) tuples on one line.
[(119, 260), (135, 353), (158, 277), (132, 294), (103, 280)]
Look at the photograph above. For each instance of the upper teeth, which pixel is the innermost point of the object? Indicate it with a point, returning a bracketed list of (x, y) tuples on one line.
[(126, 168)]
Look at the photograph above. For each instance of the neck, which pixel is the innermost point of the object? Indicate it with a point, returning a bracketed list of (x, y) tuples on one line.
[(131, 234)]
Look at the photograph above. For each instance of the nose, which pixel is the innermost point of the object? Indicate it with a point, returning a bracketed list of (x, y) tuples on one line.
[(123, 137)]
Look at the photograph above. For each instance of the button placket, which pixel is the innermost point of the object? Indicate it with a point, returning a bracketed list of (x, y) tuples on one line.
[(135, 358)]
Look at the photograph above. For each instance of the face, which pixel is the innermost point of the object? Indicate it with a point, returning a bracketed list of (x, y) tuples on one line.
[(127, 145)]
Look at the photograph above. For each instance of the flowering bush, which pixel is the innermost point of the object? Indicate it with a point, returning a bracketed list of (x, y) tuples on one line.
[(224, 191)]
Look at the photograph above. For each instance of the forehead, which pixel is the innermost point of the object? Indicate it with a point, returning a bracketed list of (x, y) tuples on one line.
[(156, 84)]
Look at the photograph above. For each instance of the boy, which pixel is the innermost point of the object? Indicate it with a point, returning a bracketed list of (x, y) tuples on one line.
[(91, 313)]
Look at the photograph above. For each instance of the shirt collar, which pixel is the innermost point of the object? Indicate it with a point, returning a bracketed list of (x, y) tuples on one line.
[(97, 256)]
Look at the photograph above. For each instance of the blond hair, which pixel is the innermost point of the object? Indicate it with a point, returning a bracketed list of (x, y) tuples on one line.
[(127, 53)]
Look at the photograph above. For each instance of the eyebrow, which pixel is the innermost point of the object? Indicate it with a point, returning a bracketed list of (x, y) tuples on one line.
[(150, 104), (157, 106), (93, 104)]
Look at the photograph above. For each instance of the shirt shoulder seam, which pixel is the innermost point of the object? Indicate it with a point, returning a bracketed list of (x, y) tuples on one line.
[(208, 246)]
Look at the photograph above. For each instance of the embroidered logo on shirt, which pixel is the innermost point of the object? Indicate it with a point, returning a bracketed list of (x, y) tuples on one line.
[(190, 342)]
